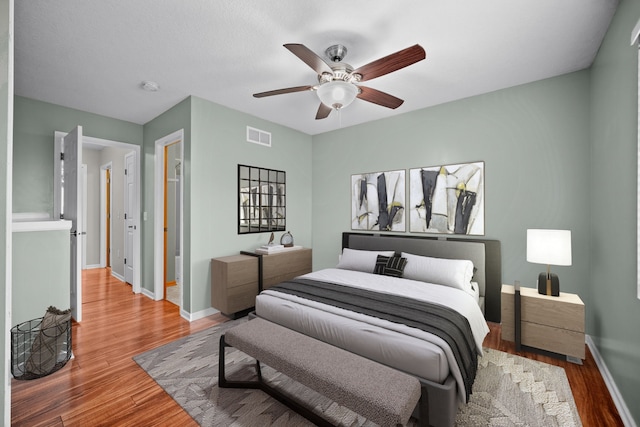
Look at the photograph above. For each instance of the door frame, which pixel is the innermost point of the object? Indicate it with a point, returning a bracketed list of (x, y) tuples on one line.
[(158, 234), (103, 212), (58, 136)]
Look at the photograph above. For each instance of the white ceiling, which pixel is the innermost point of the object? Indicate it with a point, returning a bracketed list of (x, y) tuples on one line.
[(93, 55)]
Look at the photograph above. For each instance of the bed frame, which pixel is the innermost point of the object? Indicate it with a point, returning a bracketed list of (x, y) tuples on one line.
[(486, 257)]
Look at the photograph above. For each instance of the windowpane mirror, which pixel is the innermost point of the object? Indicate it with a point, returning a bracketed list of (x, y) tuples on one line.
[(261, 200)]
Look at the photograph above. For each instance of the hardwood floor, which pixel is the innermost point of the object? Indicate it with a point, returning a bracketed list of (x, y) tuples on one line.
[(103, 386)]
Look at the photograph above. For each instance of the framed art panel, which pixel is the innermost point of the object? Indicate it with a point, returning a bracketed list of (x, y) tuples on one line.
[(378, 201), (447, 199)]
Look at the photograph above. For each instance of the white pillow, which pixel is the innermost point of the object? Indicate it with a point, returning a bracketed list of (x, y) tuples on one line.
[(359, 260), (455, 273)]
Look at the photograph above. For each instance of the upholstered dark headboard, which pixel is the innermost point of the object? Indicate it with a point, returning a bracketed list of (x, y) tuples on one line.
[(485, 255)]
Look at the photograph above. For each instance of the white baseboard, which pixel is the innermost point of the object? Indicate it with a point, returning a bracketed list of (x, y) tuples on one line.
[(148, 293), (199, 314), (623, 410), (93, 266), (117, 276)]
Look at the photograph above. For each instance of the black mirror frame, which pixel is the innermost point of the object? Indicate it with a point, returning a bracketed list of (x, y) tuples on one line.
[(261, 200)]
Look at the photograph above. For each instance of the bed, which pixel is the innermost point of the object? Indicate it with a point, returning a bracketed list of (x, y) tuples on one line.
[(320, 304)]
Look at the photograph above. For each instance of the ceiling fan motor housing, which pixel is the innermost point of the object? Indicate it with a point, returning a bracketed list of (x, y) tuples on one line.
[(336, 53)]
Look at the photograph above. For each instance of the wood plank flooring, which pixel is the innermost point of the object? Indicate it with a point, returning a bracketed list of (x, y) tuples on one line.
[(103, 386)]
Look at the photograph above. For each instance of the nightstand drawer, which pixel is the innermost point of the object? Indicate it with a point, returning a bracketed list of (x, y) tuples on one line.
[(563, 341), (552, 311)]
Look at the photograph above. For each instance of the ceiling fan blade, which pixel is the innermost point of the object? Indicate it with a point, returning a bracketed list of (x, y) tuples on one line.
[(323, 112), (309, 57), (379, 97), (282, 91), (391, 63)]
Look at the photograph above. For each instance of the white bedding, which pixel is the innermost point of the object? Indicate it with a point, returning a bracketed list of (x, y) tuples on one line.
[(403, 347)]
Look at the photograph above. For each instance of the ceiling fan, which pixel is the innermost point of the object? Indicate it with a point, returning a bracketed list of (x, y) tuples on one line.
[(338, 82)]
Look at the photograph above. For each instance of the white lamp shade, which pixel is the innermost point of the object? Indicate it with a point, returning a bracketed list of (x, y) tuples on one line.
[(551, 247), (337, 94)]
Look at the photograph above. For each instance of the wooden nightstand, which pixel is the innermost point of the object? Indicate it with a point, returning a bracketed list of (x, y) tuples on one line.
[(554, 324), (237, 279)]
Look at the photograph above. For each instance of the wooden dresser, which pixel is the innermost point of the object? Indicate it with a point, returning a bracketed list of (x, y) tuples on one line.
[(235, 279), (554, 324)]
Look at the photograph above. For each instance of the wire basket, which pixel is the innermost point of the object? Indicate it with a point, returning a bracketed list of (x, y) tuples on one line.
[(37, 352)]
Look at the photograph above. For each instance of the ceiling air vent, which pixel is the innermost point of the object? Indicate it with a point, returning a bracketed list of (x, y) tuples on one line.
[(258, 136)]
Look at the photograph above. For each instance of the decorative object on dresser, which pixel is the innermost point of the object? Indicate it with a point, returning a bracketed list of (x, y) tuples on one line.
[(552, 324), (261, 200), (287, 239), (378, 200), (447, 199), (551, 247), (237, 279)]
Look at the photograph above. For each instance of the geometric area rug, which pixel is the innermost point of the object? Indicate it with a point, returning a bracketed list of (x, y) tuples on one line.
[(509, 390)]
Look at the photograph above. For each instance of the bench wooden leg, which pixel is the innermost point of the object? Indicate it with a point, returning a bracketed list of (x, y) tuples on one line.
[(260, 384)]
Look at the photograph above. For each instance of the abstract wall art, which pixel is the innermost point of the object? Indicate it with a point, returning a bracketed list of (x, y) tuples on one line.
[(447, 199), (378, 201)]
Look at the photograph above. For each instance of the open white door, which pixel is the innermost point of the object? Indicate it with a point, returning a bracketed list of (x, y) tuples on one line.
[(130, 217), (72, 149)]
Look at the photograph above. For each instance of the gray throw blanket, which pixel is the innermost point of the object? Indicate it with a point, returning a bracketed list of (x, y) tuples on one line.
[(436, 319)]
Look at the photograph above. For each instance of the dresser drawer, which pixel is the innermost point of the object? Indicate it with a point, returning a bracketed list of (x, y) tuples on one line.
[(283, 266)]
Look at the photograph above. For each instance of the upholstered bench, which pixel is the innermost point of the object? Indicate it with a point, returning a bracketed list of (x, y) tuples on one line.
[(383, 395)]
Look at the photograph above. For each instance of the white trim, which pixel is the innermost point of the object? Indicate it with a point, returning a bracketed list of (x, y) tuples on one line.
[(623, 410), (198, 315), (31, 216), (148, 293), (93, 266), (23, 226), (158, 226), (117, 276), (6, 388)]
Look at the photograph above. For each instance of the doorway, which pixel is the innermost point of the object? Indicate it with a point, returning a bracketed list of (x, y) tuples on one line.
[(172, 197), (106, 217), (168, 215), (106, 214)]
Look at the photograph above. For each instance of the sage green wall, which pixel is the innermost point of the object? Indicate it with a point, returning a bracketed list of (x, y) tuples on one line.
[(35, 123), (218, 145), (41, 273), (534, 142), (614, 312), (176, 118), (6, 94)]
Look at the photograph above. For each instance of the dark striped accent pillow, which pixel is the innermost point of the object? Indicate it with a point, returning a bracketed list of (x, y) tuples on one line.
[(390, 266)]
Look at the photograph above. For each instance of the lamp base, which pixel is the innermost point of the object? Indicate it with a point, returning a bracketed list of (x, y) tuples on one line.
[(548, 285)]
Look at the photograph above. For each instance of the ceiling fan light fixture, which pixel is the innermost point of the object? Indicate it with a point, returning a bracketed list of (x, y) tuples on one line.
[(337, 94)]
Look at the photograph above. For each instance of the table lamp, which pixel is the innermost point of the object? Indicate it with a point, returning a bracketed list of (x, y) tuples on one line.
[(551, 247)]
